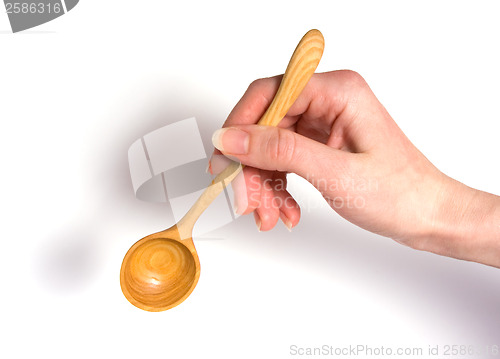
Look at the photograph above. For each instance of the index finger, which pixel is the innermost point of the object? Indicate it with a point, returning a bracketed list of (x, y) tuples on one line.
[(324, 97)]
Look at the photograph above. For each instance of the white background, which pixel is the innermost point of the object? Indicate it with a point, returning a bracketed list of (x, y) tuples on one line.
[(76, 92)]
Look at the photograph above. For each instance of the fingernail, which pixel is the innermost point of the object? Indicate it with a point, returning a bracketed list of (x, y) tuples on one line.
[(218, 163), (286, 221), (231, 140), (257, 220), (209, 167), (239, 210)]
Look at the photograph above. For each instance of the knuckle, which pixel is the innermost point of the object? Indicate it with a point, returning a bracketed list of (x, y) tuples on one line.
[(258, 97), (353, 79), (281, 148), (256, 85)]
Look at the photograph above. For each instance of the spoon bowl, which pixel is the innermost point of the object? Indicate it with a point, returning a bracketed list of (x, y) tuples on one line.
[(161, 270)]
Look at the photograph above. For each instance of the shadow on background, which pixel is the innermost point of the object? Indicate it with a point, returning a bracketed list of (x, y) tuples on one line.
[(71, 257), (451, 296)]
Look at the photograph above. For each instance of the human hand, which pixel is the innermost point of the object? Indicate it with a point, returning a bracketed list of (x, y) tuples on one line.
[(341, 139)]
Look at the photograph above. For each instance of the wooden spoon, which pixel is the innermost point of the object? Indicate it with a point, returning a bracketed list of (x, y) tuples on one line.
[(161, 270)]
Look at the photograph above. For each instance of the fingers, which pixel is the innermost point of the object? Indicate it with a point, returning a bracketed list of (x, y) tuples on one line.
[(254, 102), (267, 213), (324, 119), (331, 109), (325, 97), (265, 194), (289, 209), (274, 149), (247, 192), (277, 149), (332, 98)]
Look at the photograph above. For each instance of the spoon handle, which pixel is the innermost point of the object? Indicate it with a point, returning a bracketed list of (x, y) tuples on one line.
[(304, 61), (186, 224)]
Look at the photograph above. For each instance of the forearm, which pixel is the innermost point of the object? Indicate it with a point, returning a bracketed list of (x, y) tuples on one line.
[(465, 225)]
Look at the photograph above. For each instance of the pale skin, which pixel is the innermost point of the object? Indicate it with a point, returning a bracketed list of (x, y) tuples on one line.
[(339, 137)]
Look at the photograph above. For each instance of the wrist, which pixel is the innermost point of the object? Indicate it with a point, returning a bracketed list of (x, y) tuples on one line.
[(465, 224)]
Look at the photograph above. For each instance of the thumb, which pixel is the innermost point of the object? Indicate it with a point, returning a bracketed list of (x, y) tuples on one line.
[(278, 149)]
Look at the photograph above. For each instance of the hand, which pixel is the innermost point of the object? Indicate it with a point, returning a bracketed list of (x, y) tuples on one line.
[(340, 138)]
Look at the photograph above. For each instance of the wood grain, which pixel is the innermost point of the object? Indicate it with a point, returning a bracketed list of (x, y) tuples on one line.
[(161, 270), (304, 61)]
